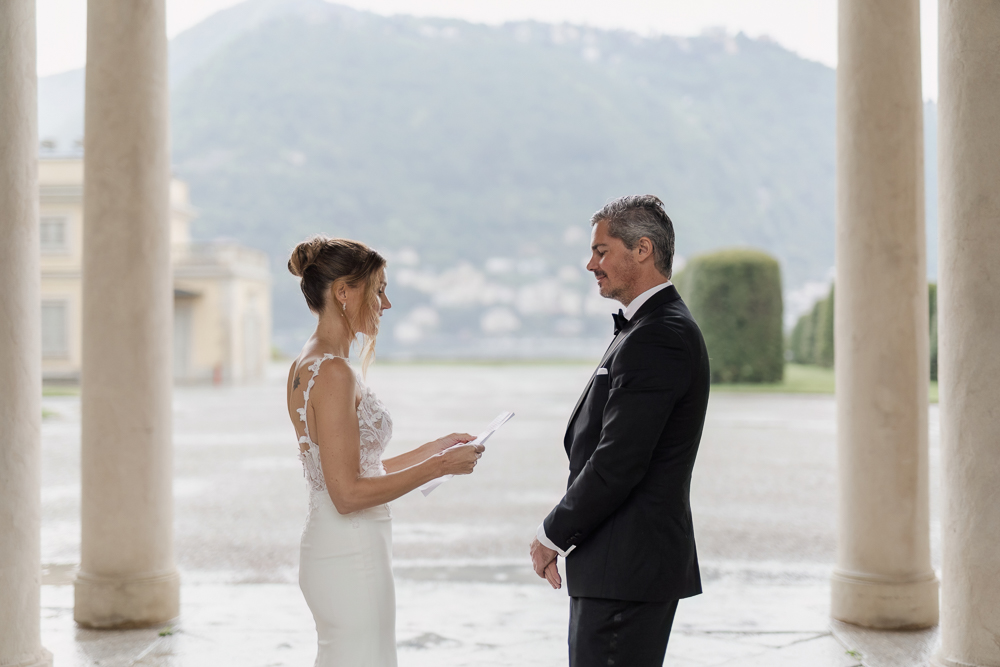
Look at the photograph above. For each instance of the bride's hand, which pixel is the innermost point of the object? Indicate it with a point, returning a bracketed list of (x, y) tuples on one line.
[(447, 441), (460, 460)]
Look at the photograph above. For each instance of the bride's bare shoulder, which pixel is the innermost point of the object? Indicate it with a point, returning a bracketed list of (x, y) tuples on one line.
[(313, 361), (334, 378)]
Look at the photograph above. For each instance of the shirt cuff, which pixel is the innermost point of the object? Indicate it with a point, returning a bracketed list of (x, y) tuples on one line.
[(544, 539)]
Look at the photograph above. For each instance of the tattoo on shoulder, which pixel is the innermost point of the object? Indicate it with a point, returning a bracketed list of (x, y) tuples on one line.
[(295, 385)]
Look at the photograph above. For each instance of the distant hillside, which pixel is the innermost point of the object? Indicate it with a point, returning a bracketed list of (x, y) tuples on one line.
[(447, 142), (469, 142)]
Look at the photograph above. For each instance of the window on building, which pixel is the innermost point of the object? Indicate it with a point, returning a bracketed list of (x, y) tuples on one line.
[(55, 334), (55, 233)]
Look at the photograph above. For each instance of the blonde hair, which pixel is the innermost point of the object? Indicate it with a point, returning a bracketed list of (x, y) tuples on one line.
[(320, 261)]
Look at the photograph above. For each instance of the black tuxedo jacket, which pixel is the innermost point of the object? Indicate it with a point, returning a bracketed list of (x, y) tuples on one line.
[(632, 442)]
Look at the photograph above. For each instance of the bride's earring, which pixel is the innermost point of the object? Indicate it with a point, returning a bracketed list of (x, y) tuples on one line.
[(344, 308)]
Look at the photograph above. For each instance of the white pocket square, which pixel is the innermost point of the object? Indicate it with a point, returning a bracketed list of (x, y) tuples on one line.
[(601, 371)]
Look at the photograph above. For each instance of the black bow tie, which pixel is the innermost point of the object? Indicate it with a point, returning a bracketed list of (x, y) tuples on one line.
[(620, 322)]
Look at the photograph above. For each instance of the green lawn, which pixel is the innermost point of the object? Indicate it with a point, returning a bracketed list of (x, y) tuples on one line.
[(800, 379), (60, 390)]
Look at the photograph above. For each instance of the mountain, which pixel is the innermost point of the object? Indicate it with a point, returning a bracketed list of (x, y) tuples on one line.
[(476, 154), (453, 137)]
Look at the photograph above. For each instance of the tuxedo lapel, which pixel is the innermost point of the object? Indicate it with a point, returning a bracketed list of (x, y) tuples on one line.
[(579, 402), (586, 390), (615, 344), (666, 295)]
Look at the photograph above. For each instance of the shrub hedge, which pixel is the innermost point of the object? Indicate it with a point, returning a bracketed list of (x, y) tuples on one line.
[(932, 299), (802, 339), (811, 341), (735, 296)]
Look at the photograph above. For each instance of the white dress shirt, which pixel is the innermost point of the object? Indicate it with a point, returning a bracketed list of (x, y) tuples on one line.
[(637, 302), (630, 312)]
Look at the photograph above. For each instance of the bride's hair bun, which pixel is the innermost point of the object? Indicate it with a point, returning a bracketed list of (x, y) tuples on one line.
[(306, 254), (319, 261)]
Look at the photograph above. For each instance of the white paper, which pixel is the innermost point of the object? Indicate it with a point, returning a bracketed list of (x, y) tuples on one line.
[(481, 439)]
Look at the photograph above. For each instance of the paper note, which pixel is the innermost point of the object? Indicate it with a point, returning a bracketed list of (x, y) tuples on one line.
[(481, 439)]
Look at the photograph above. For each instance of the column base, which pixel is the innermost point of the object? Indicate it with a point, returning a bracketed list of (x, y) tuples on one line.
[(42, 660), (884, 603), (122, 603), (940, 661)]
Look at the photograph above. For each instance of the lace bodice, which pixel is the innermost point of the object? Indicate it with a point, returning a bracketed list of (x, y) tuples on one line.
[(373, 420)]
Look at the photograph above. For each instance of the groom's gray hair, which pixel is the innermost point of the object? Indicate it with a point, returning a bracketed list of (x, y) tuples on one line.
[(633, 217)]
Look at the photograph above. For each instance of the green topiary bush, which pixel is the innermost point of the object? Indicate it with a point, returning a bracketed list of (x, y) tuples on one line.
[(735, 296)]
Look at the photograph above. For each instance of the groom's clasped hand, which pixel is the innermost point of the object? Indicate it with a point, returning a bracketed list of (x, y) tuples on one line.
[(543, 560)]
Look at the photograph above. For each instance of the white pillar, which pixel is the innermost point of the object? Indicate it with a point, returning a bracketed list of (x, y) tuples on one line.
[(883, 577), (969, 329), (20, 344), (127, 572)]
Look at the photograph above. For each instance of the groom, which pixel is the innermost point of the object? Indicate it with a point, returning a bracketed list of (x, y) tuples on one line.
[(624, 525)]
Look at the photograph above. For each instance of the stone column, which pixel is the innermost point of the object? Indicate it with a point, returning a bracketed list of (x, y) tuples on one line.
[(969, 329), (127, 572), (20, 344), (883, 577)]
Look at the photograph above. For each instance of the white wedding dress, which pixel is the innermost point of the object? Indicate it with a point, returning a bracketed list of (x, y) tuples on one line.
[(345, 566)]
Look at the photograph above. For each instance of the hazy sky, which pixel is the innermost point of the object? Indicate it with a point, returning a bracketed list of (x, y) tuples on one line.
[(808, 27)]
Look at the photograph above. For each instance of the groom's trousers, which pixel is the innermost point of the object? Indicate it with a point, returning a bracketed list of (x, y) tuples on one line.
[(618, 633)]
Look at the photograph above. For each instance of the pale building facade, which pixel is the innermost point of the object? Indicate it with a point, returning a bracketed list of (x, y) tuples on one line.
[(222, 291)]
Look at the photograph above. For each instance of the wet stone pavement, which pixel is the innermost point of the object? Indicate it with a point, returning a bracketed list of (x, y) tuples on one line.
[(763, 495)]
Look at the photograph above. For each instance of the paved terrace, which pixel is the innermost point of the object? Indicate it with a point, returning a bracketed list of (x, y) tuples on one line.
[(764, 504)]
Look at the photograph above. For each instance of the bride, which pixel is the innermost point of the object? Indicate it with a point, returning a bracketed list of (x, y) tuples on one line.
[(345, 568)]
